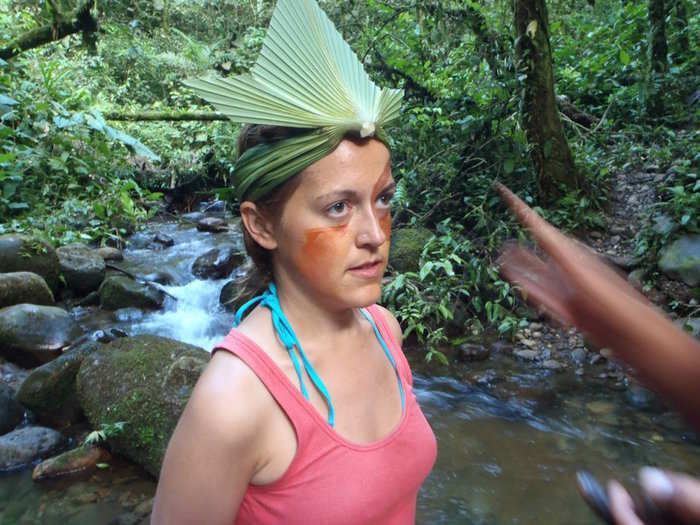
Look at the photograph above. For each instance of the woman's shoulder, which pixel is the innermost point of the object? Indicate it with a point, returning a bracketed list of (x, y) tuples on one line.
[(392, 323), (230, 398)]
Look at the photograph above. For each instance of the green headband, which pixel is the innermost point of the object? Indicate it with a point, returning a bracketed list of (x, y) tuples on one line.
[(305, 77)]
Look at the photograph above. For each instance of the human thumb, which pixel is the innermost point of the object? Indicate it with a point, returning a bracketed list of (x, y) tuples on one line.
[(677, 493)]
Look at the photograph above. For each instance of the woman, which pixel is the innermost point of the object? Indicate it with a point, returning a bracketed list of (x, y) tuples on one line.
[(305, 413), (249, 447)]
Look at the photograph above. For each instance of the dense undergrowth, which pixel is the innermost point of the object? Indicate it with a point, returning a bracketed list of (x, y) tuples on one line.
[(67, 173)]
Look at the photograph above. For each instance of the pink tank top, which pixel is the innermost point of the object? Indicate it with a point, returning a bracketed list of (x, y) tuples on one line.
[(331, 480)]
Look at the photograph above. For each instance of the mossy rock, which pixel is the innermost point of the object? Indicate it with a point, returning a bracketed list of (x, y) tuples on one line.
[(123, 292), (21, 253), (49, 390), (681, 260), (24, 287), (406, 247), (144, 381)]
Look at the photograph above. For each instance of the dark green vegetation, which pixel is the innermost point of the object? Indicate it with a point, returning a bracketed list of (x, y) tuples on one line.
[(83, 155)]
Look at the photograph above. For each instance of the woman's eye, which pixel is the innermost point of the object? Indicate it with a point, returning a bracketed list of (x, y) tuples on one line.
[(386, 199), (338, 208)]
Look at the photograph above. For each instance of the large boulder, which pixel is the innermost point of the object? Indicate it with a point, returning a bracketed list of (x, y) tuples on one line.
[(11, 412), (406, 247), (110, 254), (24, 445), (218, 263), (681, 260), (82, 267), (49, 390), (144, 381), (32, 335), (24, 287), (119, 291), (21, 253)]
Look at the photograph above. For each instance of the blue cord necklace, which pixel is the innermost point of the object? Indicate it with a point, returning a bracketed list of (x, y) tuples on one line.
[(289, 339)]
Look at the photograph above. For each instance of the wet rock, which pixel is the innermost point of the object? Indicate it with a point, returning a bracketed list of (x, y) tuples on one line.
[(21, 253), (49, 390), (527, 355), (33, 335), (24, 287), (406, 247), (110, 254), (691, 325), (11, 374), (160, 277), (11, 412), (636, 277), (218, 263), (681, 260), (606, 353), (116, 332), (216, 206), (122, 292), (164, 240), (212, 224), (625, 262), (91, 299), (641, 398), (531, 343), (144, 381), (553, 364), (230, 294), (472, 352), (600, 408), (24, 445), (663, 224), (77, 460), (82, 267), (578, 355)]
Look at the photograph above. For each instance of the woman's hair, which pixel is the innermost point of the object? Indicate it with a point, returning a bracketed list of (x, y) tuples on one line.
[(260, 275)]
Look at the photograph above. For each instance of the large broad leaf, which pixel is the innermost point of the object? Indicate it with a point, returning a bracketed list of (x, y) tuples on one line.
[(96, 122), (306, 76)]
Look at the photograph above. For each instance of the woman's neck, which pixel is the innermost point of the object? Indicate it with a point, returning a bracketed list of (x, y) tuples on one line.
[(311, 319)]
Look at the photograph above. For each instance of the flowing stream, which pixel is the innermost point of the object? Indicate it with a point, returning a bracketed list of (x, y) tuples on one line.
[(508, 449)]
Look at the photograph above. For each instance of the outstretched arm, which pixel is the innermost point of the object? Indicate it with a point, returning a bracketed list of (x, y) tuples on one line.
[(578, 289)]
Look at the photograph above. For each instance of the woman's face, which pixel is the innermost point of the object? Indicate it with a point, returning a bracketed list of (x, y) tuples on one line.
[(333, 235)]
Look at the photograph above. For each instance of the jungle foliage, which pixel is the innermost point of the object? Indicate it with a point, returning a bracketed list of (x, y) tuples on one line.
[(67, 173)]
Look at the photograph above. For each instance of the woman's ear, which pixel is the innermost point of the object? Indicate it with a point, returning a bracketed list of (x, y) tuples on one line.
[(258, 226)]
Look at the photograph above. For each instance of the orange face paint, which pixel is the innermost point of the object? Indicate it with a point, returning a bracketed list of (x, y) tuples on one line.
[(323, 247)]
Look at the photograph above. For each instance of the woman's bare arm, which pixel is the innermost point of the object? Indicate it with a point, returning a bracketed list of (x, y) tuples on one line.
[(576, 288), (213, 453)]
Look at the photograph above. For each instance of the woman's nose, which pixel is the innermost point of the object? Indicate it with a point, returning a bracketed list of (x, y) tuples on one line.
[(370, 231)]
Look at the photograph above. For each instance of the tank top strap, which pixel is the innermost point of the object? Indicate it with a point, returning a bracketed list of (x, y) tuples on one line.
[(393, 345), (277, 383)]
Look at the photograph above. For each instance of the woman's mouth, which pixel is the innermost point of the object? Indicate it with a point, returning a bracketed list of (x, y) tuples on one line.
[(370, 270)]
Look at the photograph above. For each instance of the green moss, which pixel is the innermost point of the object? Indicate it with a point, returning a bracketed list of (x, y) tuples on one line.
[(406, 247), (127, 381)]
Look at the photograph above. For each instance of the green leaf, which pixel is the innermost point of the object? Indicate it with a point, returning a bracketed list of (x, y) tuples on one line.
[(306, 76), (425, 270), (508, 166), (624, 57), (7, 101)]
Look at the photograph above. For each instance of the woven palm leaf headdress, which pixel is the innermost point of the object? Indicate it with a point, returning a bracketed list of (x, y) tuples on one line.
[(305, 77)]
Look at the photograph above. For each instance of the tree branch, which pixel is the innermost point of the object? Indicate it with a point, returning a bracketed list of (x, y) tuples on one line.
[(64, 25), (166, 116)]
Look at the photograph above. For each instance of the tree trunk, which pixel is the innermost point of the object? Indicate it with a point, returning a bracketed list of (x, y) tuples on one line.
[(64, 25), (658, 65), (680, 23), (551, 156)]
